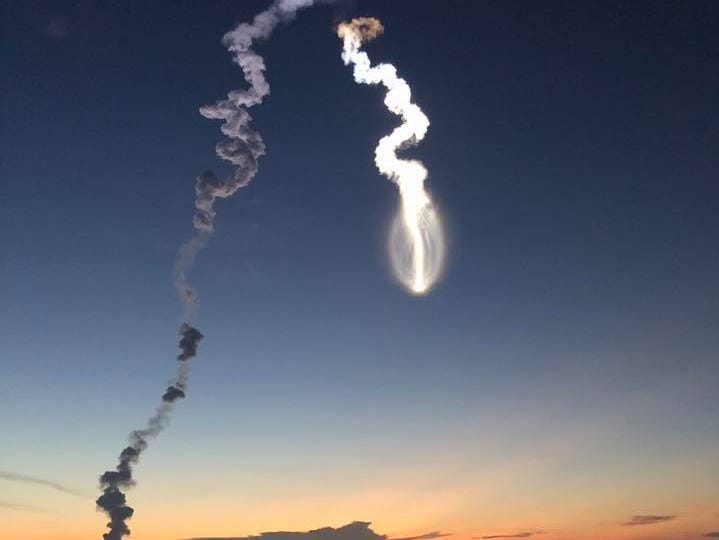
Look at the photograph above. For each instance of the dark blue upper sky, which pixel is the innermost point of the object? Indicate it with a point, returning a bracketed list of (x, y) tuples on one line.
[(572, 151)]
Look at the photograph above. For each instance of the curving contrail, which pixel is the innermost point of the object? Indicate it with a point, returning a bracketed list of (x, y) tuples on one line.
[(416, 242)]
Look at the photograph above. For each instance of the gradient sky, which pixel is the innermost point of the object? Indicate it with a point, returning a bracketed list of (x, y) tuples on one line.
[(562, 377)]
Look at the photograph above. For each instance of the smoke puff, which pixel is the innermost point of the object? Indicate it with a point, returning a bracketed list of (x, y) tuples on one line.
[(130, 453), (112, 501), (115, 478), (172, 393), (363, 28), (111, 498), (191, 337)]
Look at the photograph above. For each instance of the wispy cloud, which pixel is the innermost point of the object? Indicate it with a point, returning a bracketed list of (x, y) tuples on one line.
[(648, 519), (14, 477), (425, 536), (523, 534), (358, 530), (19, 506)]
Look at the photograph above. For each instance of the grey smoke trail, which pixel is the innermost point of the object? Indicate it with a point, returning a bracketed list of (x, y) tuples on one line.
[(113, 482), (243, 146), (14, 477)]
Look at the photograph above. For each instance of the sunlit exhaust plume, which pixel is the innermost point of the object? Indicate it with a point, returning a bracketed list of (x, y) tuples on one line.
[(416, 241)]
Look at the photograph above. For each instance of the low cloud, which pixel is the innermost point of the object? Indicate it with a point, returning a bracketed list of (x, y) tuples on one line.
[(425, 536), (14, 477), (648, 519), (713, 534), (358, 530), (523, 534)]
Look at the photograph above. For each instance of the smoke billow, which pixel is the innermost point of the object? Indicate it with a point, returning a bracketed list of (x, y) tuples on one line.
[(363, 29), (416, 242), (191, 338), (172, 393)]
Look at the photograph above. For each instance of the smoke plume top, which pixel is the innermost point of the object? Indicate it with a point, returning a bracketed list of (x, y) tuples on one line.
[(363, 28)]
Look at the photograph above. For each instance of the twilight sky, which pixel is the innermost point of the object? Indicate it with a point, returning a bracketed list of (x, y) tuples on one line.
[(560, 380)]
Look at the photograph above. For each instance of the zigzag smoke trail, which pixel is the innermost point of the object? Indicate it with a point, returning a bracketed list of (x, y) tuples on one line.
[(243, 148), (244, 145), (416, 241)]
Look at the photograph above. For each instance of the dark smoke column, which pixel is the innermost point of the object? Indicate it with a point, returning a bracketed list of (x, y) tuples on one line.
[(114, 483)]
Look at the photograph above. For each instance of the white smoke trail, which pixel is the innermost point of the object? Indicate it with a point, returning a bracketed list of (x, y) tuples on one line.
[(416, 242)]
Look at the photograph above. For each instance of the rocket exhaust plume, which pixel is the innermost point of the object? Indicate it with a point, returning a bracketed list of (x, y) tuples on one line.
[(416, 241), (243, 148)]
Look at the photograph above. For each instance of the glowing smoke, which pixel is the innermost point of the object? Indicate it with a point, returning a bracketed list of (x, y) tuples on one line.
[(416, 241)]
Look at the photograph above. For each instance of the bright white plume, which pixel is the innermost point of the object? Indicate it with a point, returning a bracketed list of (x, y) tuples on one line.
[(416, 240)]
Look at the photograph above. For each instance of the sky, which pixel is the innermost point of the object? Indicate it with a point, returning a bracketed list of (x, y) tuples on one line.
[(560, 380)]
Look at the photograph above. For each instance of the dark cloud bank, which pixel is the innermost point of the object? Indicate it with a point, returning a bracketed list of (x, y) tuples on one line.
[(358, 530)]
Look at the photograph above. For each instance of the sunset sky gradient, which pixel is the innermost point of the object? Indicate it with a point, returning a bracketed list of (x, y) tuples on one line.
[(559, 381)]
